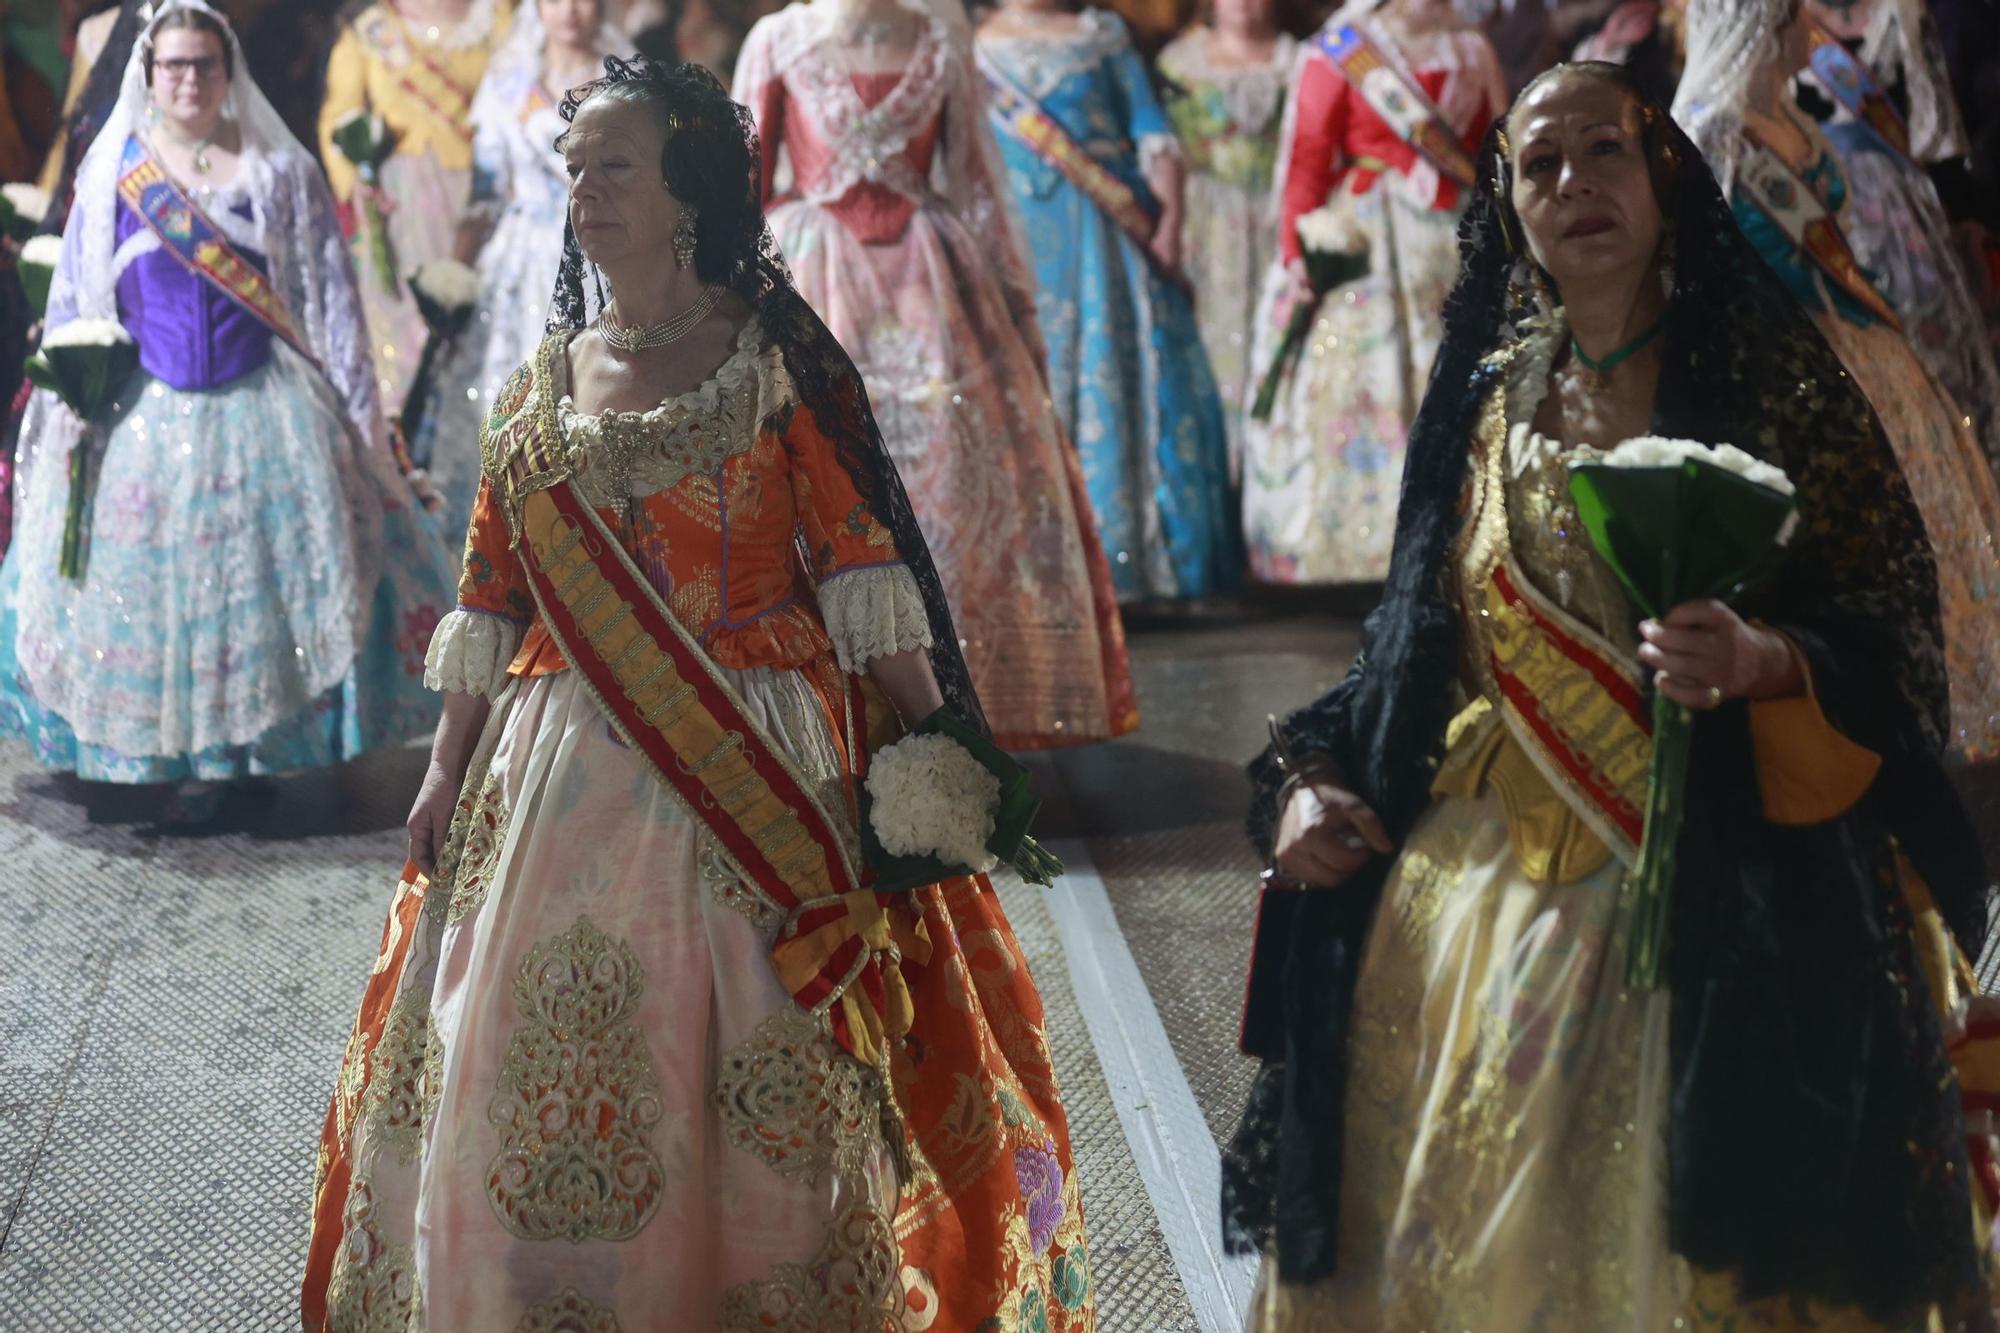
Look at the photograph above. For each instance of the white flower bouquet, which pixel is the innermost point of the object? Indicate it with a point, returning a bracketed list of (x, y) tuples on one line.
[(1675, 521), (22, 208), (946, 801), (1334, 249), (446, 292), (83, 363), (37, 267), (367, 141)]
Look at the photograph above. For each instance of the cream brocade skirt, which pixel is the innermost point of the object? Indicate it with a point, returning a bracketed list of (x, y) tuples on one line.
[(627, 1100), (1506, 1155)]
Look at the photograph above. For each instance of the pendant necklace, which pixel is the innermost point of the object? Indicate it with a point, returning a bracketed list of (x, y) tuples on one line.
[(198, 158), (1600, 369), (633, 338)]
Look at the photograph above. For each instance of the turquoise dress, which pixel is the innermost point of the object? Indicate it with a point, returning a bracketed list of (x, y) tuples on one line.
[(1126, 365)]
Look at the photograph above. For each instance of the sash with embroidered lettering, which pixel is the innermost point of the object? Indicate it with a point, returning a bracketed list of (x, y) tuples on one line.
[(1399, 101), (1854, 86), (1016, 113), (190, 236), (666, 698), (1770, 185)]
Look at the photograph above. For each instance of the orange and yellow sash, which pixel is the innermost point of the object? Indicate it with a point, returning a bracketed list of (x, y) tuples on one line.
[(189, 235), (668, 701)]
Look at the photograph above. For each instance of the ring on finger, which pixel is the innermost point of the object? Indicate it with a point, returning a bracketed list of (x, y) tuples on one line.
[(1714, 696), (1349, 838)]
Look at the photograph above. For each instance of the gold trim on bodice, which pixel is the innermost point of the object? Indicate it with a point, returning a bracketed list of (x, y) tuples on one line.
[(1527, 584)]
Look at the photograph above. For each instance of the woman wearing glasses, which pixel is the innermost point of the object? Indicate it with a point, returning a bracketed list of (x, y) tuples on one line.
[(256, 588)]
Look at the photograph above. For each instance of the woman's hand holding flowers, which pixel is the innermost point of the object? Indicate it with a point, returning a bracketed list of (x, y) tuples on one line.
[(1702, 653)]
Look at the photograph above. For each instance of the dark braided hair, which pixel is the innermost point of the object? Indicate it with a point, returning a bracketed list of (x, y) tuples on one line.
[(711, 163)]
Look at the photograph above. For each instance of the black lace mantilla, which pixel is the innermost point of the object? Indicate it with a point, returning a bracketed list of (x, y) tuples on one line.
[(711, 161), (1816, 1145)]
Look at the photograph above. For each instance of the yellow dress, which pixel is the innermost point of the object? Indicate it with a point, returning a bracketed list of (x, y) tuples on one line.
[(1507, 1104), (420, 80)]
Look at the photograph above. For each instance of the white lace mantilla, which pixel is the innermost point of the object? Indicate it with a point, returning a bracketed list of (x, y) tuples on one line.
[(873, 612), (469, 653)]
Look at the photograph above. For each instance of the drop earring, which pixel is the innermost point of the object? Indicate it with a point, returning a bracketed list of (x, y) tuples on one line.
[(597, 277), (1667, 266), (684, 239)]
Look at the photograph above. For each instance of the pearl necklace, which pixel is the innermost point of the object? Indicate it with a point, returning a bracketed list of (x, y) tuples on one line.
[(633, 338)]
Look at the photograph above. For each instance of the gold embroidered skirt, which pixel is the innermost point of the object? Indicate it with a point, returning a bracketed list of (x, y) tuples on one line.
[(1506, 1116), (592, 1097)]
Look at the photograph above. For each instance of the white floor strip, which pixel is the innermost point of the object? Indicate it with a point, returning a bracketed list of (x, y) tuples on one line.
[(1176, 1156)]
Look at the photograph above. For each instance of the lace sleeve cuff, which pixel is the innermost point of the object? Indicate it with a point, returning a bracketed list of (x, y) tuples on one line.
[(470, 651), (873, 612), (1157, 147)]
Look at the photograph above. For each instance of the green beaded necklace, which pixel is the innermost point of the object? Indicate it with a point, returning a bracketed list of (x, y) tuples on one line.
[(1612, 359)]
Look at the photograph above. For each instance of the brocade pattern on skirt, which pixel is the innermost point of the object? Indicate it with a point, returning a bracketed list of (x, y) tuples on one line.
[(1322, 477), (578, 1090)]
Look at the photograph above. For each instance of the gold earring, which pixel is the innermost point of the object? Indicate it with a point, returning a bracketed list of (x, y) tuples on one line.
[(684, 237)]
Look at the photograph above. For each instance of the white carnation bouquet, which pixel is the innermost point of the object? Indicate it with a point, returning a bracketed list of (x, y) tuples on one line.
[(83, 363), (37, 267), (946, 801), (1334, 249), (1675, 521), (22, 208)]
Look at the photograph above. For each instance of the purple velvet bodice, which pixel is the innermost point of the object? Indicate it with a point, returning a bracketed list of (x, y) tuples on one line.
[(190, 335)]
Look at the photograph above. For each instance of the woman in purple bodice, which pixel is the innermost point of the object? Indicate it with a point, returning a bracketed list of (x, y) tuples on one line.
[(257, 584)]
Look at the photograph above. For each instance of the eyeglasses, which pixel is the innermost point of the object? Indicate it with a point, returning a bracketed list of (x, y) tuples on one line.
[(201, 67)]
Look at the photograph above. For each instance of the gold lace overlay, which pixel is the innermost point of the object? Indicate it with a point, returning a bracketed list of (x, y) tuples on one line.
[(374, 1285), (472, 794), (569, 1311), (477, 854), (405, 1076), (578, 1096), (791, 1096), (851, 1284)]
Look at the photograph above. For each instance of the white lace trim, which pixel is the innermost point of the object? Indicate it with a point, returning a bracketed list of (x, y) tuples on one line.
[(469, 653), (873, 612), (1252, 95)]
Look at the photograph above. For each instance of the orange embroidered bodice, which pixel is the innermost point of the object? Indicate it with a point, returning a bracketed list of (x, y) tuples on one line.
[(731, 503)]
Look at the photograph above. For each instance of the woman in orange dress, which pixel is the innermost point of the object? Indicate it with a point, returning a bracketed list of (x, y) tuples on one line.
[(644, 1047)]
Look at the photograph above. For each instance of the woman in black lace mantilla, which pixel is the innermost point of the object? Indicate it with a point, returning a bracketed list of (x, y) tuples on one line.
[(1464, 1117)]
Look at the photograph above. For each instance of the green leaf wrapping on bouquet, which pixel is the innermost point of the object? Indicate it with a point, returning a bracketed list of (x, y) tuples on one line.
[(1672, 534), (86, 376), (14, 224), (1010, 840), (35, 282), (1325, 271)]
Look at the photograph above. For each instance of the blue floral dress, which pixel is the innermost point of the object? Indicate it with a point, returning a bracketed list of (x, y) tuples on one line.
[(1126, 364)]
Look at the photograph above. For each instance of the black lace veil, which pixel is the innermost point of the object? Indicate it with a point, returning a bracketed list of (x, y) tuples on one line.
[(711, 161), (1815, 1143)]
